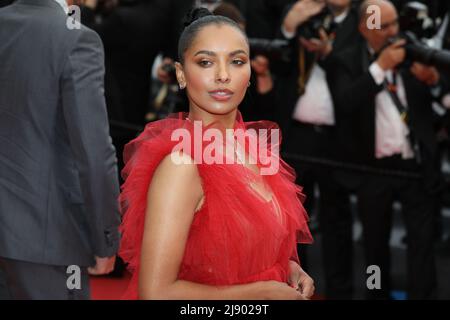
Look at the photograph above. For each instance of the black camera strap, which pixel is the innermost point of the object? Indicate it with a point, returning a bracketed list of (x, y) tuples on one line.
[(392, 89)]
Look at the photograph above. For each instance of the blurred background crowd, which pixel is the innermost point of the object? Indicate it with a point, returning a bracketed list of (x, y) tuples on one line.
[(364, 115)]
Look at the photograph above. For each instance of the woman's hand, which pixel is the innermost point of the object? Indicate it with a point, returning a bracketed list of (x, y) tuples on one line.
[(275, 290), (300, 280)]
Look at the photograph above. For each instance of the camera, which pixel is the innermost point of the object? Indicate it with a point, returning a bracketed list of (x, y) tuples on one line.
[(323, 20), (276, 49), (417, 51), (416, 27), (414, 18)]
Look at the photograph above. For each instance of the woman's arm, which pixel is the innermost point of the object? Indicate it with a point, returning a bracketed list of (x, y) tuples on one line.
[(173, 196)]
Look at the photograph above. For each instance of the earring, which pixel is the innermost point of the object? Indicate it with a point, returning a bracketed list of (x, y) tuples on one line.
[(249, 83), (182, 86)]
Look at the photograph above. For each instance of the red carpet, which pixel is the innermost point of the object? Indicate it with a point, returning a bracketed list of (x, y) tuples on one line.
[(108, 288)]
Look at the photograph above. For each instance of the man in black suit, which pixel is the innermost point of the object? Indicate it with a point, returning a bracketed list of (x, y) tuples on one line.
[(385, 121), (307, 120)]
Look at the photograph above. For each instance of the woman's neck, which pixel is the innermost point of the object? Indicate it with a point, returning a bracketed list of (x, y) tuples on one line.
[(226, 120)]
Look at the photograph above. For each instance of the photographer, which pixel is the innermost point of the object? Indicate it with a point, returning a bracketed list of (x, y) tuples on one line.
[(317, 30), (385, 115)]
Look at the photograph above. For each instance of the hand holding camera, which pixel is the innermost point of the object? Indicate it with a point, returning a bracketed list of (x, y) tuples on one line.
[(322, 46), (393, 55), (426, 74), (301, 12)]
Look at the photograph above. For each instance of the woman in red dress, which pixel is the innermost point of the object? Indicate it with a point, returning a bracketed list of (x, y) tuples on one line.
[(204, 222)]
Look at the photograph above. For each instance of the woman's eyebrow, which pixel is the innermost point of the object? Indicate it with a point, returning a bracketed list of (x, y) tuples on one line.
[(212, 53), (236, 52), (209, 53)]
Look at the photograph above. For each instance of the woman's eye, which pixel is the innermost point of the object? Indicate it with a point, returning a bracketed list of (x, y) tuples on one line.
[(204, 63), (238, 62)]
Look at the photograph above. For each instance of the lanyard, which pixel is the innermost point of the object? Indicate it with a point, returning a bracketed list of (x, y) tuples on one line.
[(392, 89)]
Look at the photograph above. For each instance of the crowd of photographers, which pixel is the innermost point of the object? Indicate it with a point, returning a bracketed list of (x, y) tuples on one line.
[(361, 99)]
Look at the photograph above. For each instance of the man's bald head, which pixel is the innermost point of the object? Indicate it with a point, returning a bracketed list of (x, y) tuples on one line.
[(378, 22), (383, 5)]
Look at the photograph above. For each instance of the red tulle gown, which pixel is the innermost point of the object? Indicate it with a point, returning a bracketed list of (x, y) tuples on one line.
[(238, 235)]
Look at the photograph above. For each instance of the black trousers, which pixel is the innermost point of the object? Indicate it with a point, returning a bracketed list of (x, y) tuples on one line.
[(20, 280), (334, 214), (375, 198)]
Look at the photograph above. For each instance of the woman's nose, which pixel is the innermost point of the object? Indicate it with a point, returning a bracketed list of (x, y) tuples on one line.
[(223, 74)]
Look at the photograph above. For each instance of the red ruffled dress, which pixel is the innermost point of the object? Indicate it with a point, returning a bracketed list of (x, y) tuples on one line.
[(238, 235)]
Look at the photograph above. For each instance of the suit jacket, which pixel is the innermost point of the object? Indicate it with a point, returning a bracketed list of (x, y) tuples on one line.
[(354, 91), (58, 175), (288, 73)]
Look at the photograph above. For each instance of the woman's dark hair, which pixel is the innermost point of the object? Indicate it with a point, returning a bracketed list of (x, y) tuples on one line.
[(229, 10), (195, 21)]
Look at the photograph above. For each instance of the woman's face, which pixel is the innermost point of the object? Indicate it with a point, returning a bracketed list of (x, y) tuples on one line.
[(216, 69)]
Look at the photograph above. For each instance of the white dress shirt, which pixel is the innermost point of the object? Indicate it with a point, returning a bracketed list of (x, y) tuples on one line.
[(315, 106), (391, 132)]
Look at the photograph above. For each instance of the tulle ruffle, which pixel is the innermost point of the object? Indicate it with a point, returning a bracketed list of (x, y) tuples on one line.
[(236, 236)]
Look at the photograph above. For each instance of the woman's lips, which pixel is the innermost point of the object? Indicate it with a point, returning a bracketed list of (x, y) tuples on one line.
[(221, 95)]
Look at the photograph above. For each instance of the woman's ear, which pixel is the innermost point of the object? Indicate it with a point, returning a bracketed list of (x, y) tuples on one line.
[(180, 74)]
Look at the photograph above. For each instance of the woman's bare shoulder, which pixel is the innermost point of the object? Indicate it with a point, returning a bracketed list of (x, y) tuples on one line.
[(177, 173)]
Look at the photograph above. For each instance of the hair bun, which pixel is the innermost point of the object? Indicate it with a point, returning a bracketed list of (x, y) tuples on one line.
[(195, 14)]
